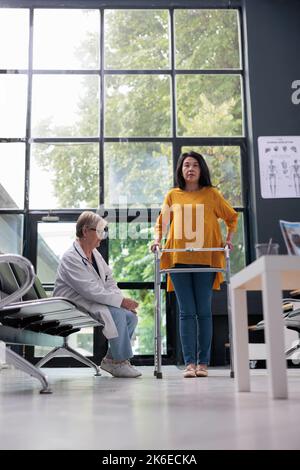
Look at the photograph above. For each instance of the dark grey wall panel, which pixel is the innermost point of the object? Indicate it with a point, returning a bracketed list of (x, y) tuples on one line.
[(272, 39)]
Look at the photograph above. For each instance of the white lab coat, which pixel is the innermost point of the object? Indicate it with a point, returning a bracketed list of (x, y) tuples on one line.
[(78, 281)]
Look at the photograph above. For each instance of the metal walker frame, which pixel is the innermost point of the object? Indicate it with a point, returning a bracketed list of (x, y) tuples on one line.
[(157, 289)]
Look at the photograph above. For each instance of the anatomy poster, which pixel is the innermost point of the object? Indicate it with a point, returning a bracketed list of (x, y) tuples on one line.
[(279, 164)]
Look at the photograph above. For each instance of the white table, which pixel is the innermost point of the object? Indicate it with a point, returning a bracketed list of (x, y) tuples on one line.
[(270, 274)]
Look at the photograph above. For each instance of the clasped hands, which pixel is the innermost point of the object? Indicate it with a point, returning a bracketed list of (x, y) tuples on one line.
[(130, 304)]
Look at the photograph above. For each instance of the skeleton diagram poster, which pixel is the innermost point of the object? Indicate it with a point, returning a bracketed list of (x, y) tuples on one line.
[(279, 164)]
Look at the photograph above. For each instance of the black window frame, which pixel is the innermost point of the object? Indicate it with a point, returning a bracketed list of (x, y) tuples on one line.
[(32, 217)]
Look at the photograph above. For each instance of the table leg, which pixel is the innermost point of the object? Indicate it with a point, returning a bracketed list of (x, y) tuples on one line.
[(240, 339), (274, 334)]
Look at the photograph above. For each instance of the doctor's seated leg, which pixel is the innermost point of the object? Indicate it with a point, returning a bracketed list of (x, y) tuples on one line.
[(116, 361)]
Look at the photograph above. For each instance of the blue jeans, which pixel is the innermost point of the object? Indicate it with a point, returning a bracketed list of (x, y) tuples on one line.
[(119, 348), (194, 296)]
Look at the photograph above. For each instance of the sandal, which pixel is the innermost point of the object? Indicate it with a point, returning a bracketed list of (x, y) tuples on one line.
[(190, 371), (201, 371)]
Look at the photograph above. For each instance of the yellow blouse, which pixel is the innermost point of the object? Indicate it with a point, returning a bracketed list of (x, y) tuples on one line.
[(192, 219)]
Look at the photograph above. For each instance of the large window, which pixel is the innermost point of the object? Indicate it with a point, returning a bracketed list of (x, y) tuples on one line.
[(96, 105)]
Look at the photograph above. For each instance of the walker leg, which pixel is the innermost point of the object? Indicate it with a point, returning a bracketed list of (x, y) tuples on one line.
[(157, 346), (229, 312)]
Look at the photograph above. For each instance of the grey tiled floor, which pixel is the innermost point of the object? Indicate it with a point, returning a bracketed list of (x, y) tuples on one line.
[(87, 412)]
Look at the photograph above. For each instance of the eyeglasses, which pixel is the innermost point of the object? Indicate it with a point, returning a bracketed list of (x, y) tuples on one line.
[(101, 233)]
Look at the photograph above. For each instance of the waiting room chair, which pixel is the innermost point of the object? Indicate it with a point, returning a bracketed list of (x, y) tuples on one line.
[(291, 317), (29, 317)]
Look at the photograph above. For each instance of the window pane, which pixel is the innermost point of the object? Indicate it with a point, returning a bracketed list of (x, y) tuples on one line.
[(83, 341), (137, 173), (143, 342), (64, 176), (137, 106), (136, 39), (66, 39), (14, 34), (207, 39), (209, 105), (12, 176), (13, 91), (225, 168), (64, 106), (11, 229), (237, 255), (54, 238), (130, 257)]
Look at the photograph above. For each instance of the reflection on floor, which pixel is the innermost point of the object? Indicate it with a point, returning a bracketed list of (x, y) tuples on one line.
[(87, 412)]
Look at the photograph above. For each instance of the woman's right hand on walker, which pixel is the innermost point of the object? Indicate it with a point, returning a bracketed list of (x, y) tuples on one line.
[(129, 304), (155, 246)]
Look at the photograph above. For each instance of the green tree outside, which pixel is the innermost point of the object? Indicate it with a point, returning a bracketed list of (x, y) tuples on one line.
[(140, 106)]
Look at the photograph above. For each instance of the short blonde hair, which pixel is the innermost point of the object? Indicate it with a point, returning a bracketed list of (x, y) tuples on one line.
[(88, 219)]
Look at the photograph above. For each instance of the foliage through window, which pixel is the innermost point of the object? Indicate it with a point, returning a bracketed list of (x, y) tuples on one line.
[(105, 131)]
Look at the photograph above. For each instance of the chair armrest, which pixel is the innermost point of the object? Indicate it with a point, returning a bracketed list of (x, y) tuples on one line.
[(51, 308), (27, 267)]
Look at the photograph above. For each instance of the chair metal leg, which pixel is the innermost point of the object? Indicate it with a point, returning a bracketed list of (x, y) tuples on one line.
[(66, 349), (54, 352), (81, 358), (22, 364)]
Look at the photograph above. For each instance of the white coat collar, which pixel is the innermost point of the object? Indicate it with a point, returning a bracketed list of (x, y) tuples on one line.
[(97, 256), (77, 247)]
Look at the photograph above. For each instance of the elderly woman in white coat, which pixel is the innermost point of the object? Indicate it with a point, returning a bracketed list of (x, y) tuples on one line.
[(84, 277)]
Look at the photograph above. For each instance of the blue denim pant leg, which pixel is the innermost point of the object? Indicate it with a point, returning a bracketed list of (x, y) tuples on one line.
[(119, 348), (202, 286), (194, 295), (187, 315)]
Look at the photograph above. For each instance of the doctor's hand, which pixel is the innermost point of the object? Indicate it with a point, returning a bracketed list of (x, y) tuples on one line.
[(129, 304)]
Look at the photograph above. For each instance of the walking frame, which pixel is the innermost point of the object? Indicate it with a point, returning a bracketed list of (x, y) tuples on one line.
[(157, 289)]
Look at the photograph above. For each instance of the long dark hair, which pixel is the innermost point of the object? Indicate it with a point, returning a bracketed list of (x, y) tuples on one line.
[(204, 179)]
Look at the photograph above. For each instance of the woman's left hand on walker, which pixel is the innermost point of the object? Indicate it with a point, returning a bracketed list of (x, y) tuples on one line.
[(229, 244)]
